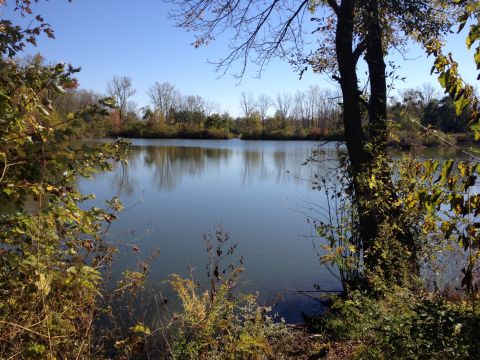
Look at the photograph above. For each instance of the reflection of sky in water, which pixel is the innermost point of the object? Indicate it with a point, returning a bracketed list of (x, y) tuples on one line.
[(176, 190), (168, 165)]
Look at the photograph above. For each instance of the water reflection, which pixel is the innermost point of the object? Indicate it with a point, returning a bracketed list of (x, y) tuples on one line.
[(170, 165), (176, 190)]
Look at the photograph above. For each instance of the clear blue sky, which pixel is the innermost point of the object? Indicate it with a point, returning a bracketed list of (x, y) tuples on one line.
[(136, 39)]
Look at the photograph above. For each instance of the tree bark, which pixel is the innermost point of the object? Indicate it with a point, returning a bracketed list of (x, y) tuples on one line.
[(352, 117), (355, 137), (375, 57), (377, 114)]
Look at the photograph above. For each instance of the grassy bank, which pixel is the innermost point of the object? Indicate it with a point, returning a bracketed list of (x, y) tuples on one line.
[(408, 139), (403, 139), (299, 134), (400, 324), (199, 132), (173, 132)]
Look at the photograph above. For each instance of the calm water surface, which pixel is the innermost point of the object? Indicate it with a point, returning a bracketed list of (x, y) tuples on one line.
[(177, 190), (258, 191)]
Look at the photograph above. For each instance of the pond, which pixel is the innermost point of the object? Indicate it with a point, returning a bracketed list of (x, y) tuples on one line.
[(259, 192), (174, 191)]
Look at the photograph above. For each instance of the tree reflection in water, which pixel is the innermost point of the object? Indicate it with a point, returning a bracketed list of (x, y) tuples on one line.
[(172, 164)]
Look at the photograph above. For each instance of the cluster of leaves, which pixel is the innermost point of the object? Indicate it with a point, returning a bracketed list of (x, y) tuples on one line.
[(130, 320), (446, 194), (403, 325), (14, 38), (336, 227), (51, 246), (211, 328), (439, 206), (446, 68), (390, 256), (219, 323)]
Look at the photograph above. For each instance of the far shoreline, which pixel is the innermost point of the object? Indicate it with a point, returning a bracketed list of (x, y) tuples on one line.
[(403, 143)]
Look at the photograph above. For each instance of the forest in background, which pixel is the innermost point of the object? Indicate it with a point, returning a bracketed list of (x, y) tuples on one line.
[(313, 114)]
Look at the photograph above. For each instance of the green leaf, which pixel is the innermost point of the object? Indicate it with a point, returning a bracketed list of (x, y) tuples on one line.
[(442, 79), (59, 89), (445, 172), (430, 206), (431, 167), (8, 191), (43, 110), (140, 328), (461, 104), (473, 35), (476, 57), (476, 130), (35, 349)]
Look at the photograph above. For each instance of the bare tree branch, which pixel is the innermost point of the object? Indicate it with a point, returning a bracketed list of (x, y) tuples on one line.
[(259, 30)]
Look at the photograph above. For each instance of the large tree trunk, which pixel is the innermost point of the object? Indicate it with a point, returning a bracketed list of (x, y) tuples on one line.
[(377, 114), (360, 159), (352, 117), (364, 159), (377, 108)]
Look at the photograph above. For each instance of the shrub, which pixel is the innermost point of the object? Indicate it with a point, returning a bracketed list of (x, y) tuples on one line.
[(220, 324), (51, 246), (403, 325)]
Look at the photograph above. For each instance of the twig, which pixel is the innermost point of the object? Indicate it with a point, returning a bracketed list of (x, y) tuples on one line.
[(465, 152), (24, 328), (84, 338)]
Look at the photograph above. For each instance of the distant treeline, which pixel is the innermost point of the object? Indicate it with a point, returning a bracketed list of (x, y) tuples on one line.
[(315, 114)]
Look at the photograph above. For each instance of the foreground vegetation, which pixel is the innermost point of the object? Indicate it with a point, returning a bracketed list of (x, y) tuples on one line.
[(381, 232), (402, 325)]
